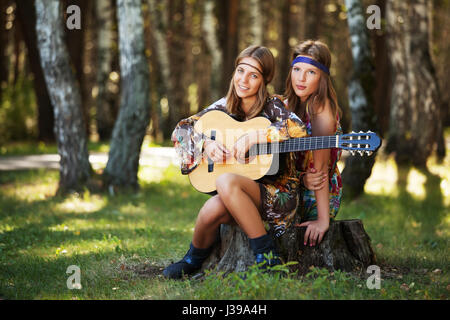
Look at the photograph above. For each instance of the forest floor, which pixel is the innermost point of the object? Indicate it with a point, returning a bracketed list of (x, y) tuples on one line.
[(122, 242)]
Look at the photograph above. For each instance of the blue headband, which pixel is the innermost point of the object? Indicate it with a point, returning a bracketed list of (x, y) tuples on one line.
[(312, 62)]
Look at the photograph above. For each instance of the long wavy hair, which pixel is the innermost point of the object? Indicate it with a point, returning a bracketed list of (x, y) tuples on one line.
[(267, 63), (318, 51)]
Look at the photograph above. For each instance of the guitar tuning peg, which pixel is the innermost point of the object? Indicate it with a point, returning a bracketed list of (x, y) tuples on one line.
[(361, 131), (352, 153), (361, 153), (369, 153), (369, 131)]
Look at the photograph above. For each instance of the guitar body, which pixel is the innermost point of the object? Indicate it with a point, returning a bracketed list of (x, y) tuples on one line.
[(220, 126), (228, 131)]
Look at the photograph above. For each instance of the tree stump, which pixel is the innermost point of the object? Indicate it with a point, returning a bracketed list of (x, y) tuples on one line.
[(345, 246)]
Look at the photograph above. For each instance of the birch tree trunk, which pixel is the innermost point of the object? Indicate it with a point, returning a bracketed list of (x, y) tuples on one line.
[(105, 37), (75, 169), (360, 90), (134, 114), (415, 114), (76, 46)]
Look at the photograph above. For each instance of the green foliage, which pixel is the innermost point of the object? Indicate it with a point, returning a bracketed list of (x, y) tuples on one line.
[(18, 111)]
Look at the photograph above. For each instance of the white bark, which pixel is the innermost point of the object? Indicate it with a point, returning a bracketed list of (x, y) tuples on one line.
[(134, 114), (64, 94)]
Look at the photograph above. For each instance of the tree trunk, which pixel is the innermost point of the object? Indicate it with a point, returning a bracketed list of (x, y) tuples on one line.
[(415, 106), (284, 57), (75, 40), (105, 37), (360, 91), (210, 30), (70, 133), (346, 246), (441, 56), (27, 18), (314, 18), (159, 27), (134, 114), (4, 60), (382, 93), (177, 97), (256, 22), (228, 31)]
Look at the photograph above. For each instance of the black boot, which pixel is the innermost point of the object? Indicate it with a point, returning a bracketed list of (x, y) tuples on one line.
[(190, 263), (263, 246)]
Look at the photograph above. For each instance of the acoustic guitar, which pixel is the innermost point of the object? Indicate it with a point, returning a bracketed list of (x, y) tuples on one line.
[(263, 157)]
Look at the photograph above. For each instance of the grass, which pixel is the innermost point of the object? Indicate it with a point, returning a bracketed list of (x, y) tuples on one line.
[(121, 242)]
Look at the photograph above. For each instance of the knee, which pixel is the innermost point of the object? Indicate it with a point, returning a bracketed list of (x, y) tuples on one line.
[(226, 184), (212, 212)]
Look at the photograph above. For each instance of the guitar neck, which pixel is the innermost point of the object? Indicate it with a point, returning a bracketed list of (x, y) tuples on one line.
[(295, 144)]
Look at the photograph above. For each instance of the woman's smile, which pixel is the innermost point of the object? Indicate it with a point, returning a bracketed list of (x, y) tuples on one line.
[(247, 79)]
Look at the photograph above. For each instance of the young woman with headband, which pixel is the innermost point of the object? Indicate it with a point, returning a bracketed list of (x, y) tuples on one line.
[(240, 200), (310, 94)]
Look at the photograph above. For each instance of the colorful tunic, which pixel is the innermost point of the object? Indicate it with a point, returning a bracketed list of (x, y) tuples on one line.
[(279, 192), (304, 160)]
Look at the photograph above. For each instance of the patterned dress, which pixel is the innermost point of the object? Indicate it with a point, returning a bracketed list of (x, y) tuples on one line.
[(279, 192), (304, 160)]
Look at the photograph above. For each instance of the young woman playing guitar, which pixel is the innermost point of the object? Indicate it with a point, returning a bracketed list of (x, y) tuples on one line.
[(240, 200)]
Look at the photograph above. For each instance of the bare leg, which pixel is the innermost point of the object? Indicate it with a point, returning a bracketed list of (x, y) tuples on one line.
[(241, 196), (210, 217)]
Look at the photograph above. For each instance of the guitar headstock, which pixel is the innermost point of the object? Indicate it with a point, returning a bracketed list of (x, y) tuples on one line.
[(361, 142)]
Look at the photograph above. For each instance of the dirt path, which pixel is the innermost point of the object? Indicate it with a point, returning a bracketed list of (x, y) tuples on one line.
[(155, 157)]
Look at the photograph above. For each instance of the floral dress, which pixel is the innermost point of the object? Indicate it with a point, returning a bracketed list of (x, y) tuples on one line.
[(304, 160), (279, 192)]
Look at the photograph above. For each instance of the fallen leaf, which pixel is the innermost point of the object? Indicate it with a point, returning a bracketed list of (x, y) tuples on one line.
[(405, 287)]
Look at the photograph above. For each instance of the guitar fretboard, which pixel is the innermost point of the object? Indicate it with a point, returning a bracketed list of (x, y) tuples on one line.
[(295, 144)]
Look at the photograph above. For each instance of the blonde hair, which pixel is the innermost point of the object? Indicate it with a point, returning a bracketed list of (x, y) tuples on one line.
[(267, 62), (318, 51)]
